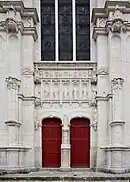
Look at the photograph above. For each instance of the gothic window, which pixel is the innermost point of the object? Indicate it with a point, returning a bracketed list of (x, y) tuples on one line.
[(48, 30), (65, 34), (65, 30)]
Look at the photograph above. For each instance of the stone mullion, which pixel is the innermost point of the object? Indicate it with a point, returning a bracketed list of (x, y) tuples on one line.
[(65, 147)]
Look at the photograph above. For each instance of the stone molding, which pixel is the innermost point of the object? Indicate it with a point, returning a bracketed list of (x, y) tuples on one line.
[(14, 148), (116, 148), (12, 83), (65, 146), (25, 98), (113, 123), (13, 123)]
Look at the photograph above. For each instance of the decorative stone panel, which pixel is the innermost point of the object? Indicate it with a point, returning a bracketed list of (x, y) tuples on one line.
[(70, 84)]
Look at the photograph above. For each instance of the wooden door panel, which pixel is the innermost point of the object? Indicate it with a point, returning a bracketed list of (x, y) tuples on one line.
[(80, 143), (51, 143)]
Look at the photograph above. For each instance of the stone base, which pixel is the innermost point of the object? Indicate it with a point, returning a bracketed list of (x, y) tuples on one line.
[(65, 169), (112, 170), (18, 170)]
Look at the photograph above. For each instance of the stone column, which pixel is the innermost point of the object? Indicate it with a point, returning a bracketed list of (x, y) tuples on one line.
[(101, 98), (65, 146), (12, 123), (117, 125)]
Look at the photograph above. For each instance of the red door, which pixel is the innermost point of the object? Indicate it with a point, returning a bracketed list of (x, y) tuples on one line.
[(51, 143), (80, 143)]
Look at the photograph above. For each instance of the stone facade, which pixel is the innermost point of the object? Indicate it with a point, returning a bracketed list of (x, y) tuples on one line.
[(32, 90)]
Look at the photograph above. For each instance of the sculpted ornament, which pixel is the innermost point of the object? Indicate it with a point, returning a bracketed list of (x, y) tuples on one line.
[(93, 102), (12, 83), (117, 83), (117, 26), (37, 125), (37, 101), (11, 26)]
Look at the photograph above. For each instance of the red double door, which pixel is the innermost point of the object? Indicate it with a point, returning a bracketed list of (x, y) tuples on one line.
[(79, 140)]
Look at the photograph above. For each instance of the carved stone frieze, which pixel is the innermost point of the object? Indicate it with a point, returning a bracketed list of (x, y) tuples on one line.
[(12, 83), (62, 84)]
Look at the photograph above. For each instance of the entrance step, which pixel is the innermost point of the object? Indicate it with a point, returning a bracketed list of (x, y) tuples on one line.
[(53, 176)]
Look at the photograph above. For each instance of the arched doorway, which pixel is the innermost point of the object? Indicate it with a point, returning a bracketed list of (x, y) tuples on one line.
[(51, 143), (80, 143)]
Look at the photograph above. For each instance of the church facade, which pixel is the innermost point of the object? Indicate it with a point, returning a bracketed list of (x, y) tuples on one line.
[(64, 92)]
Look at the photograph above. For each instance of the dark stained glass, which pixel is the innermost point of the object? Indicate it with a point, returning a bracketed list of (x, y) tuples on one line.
[(82, 30), (47, 30), (65, 30)]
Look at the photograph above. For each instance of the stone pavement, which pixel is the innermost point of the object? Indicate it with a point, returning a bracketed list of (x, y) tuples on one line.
[(66, 176)]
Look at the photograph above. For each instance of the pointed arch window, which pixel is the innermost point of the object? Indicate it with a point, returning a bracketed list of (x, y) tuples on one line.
[(65, 30)]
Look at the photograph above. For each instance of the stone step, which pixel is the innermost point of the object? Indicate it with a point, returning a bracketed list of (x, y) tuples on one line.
[(53, 176)]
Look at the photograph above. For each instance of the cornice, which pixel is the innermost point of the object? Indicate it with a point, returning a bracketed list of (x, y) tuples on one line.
[(124, 6), (19, 6), (65, 65)]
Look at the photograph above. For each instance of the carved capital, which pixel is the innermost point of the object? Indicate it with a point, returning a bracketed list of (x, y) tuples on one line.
[(12, 83), (117, 26), (11, 26), (27, 71), (102, 71), (117, 83)]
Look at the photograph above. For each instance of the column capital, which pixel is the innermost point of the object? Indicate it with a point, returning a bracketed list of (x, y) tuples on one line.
[(117, 83), (12, 83)]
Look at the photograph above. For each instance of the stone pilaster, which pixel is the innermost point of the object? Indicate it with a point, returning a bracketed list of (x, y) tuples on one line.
[(117, 125), (12, 110), (12, 123), (65, 146), (101, 98)]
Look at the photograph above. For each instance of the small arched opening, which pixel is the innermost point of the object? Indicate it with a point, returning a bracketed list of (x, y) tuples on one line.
[(51, 142), (80, 142)]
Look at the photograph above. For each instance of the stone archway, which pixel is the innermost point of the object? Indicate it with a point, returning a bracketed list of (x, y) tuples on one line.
[(51, 143), (80, 143)]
